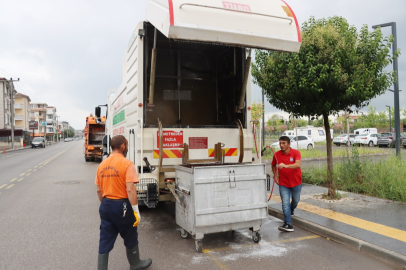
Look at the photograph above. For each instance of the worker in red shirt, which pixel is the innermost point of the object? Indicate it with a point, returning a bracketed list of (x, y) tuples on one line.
[(286, 165), (118, 210)]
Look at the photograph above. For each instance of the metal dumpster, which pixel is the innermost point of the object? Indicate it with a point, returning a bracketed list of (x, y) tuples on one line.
[(220, 197)]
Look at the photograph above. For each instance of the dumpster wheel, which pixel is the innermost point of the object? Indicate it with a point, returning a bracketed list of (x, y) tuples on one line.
[(183, 233), (256, 237), (199, 246)]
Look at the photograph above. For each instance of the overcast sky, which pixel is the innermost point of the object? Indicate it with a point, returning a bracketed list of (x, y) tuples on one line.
[(69, 53)]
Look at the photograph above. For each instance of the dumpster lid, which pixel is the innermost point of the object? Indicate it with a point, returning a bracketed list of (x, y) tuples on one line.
[(264, 24)]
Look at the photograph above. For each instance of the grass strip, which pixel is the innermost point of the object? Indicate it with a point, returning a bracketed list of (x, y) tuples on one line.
[(384, 179)]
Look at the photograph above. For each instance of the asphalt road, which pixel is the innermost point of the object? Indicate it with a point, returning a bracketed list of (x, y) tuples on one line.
[(49, 220)]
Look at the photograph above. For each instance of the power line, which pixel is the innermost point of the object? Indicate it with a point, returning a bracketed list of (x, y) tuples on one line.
[(5, 72)]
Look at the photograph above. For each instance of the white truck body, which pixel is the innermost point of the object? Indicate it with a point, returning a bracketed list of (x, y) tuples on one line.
[(201, 54), (365, 131)]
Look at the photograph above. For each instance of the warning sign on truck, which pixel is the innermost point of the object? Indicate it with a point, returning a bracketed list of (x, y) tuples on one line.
[(171, 139)]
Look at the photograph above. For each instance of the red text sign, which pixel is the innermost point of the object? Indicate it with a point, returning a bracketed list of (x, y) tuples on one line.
[(118, 103), (170, 139), (198, 143), (118, 131), (236, 6)]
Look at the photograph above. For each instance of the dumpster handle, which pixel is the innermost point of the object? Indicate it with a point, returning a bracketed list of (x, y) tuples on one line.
[(229, 179)]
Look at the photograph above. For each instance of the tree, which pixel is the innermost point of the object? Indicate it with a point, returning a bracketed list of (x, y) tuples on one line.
[(257, 110), (336, 68)]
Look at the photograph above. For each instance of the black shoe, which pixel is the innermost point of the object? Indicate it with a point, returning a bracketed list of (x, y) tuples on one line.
[(292, 212), (286, 228)]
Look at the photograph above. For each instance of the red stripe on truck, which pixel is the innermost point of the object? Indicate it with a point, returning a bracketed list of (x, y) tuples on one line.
[(171, 19), (299, 38)]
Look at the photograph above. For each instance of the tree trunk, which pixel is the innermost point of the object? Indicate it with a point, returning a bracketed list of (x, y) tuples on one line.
[(330, 181), (348, 133)]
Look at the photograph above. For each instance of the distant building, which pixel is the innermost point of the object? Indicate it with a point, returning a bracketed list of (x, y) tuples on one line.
[(38, 113), (6, 97), (79, 133), (22, 111), (51, 123)]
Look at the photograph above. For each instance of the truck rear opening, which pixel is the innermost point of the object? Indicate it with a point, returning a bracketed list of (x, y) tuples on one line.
[(196, 84), (94, 133)]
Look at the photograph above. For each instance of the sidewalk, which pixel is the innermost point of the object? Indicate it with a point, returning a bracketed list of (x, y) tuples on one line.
[(7, 150), (372, 225)]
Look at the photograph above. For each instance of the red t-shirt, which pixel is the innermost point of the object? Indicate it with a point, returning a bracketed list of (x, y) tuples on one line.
[(288, 177)]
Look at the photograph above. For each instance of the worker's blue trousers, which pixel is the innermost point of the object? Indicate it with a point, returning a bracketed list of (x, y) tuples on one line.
[(113, 222)]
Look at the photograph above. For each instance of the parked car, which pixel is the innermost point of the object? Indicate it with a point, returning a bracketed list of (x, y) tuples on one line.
[(38, 142), (304, 143), (366, 139), (404, 143), (338, 140), (388, 139), (345, 139), (66, 140)]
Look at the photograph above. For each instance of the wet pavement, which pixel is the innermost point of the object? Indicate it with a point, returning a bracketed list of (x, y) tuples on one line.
[(376, 221)]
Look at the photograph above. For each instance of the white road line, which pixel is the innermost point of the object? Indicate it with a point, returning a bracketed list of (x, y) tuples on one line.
[(13, 179), (3, 186), (10, 186), (20, 179)]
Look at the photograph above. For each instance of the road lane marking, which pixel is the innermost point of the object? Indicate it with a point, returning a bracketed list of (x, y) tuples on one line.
[(20, 179), (216, 261), (34, 170), (28, 174), (28, 170), (10, 186), (40, 167), (13, 179), (35, 166), (3, 186), (350, 220), (22, 174)]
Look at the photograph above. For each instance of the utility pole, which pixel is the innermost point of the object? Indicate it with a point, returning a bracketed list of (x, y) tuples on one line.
[(396, 89), (390, 119), (263, 119)]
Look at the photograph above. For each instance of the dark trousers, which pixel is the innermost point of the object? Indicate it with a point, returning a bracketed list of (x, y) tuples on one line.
[(113, 222)]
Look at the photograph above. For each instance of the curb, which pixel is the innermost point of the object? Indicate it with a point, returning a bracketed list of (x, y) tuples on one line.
[(13, 150), (377, 251)]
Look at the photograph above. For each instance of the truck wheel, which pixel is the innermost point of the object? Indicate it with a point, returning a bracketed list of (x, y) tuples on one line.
[(371, 144)]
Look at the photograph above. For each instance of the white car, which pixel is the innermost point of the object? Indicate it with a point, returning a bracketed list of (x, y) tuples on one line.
[(339, 139), (366, 139), (304, 142)]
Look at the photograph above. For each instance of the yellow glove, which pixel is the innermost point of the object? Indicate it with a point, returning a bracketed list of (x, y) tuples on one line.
[(136, 214), (137, 219)]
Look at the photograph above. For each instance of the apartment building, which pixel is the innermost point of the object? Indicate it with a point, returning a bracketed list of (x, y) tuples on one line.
[(38, 112), (21, 111), (6, 97), (52, 127)]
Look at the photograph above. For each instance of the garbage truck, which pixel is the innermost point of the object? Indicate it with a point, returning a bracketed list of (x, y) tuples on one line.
[(184, 105), (94, 133)]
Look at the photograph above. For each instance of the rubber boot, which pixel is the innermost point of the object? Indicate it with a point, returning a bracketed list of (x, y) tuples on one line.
[(133, 256), (102, 261)]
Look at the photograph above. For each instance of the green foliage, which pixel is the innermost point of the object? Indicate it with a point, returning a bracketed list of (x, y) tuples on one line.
[(257, 109), (384, 178), (336, 68), (317, 153)]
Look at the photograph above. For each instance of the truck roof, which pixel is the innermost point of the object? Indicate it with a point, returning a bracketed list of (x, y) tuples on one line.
[(264, 24)]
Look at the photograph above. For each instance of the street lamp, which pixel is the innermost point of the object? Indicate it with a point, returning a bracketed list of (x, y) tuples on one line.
[(396, 84), (390, 119)]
